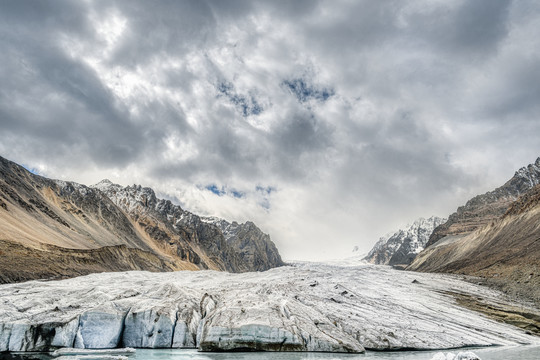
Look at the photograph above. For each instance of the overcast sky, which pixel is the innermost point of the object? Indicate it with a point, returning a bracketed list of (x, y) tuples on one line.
[(327, 123)]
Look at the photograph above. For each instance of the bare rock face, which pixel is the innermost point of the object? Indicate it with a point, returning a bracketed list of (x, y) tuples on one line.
[(483, 209), (176, 232), (255, 247), (401, 247)]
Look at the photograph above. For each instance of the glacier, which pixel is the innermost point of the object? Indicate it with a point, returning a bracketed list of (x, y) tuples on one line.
[(303, 307)]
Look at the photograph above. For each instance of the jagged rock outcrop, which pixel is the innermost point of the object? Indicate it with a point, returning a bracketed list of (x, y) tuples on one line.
[(401, 247), (483, 209), (255, 247), (311, 307), (52, 228)]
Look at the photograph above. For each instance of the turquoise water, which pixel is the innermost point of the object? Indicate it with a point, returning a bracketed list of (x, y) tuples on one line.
[(493, 353)]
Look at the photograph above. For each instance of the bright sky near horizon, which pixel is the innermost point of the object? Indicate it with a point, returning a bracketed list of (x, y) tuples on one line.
[(327, 123)]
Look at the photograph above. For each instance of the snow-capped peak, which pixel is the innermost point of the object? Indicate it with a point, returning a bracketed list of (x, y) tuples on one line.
[(105, 184), (530, 173), (403, 245), (130, 198)]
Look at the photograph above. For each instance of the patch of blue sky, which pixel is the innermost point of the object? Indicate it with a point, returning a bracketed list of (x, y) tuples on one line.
[(221, 191), (237, 194), (305, 91), (215, 189), (247, 105), (31, 169), (265, 190), (264, 203)]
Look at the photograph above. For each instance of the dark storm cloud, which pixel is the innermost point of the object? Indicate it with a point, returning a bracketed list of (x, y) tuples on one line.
[(401, 160), (471, 28), (479, 25), (368, 108), (64, 103), (354, 26), (47, 97), (168, 26), (302, 133), (50, 18), (517, 92)]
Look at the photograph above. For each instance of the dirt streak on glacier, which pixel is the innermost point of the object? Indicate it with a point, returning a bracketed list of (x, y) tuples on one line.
[(305, 307)]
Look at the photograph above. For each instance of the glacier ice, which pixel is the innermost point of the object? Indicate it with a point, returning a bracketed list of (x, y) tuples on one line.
[(350, 308), (100, 328), (467, 355)]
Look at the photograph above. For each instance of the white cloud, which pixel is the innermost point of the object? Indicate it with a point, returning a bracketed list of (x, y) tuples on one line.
[(362, 116)]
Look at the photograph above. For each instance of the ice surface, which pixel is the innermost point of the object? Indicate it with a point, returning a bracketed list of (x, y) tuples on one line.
[(306, 307), (468, 355)]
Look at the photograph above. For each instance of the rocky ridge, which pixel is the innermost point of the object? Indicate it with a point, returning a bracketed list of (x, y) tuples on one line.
[(483, 209), (232, 247), (255, 247), (60, 229), (401, 247)]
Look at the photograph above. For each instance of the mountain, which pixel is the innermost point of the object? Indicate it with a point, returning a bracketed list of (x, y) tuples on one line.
[(55, 229), (255, 246), (495, 236), (212, 243), (483, 209), (401, 247), (506, 252)]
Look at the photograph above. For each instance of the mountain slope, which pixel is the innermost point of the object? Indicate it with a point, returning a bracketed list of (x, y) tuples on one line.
[(56, 228), (21, 263), (39, 210), (506, 251), (402, 247), (483, 209)]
